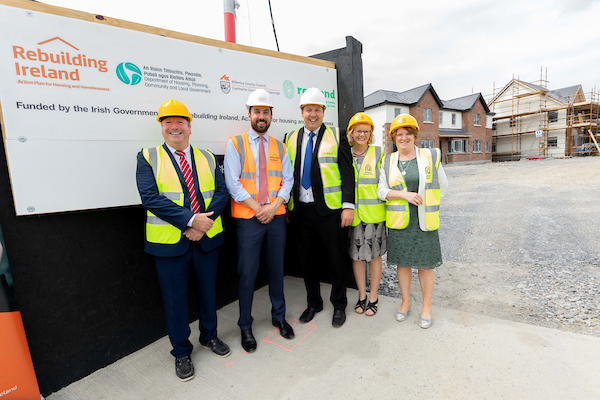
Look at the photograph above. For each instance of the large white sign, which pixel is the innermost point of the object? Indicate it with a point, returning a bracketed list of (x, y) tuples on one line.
[(79, 100)]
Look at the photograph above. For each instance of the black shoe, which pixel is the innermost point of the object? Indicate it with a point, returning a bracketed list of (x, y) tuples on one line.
[(284, 328), (248, 341), (184, 368), (339, 317), (218, 347), (309, 314)]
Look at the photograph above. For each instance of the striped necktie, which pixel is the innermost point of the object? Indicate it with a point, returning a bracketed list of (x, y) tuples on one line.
[(189, 180)]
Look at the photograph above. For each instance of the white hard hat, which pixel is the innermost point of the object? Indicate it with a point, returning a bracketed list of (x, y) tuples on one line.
[(260, 97), (312, 96)]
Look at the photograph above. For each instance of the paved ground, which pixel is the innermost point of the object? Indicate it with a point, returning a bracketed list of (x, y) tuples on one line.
[(516, 311), (462, 356)]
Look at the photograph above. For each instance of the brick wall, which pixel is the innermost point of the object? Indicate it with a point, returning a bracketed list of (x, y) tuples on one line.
[(477, 133), (428, 130)]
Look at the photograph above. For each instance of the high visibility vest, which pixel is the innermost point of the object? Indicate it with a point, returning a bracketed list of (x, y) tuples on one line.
[(369, 209), (169, 185), (248, 176), (397, 214), (328, 163)]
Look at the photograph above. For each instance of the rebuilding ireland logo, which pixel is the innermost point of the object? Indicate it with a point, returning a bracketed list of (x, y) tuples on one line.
[(129, 73)]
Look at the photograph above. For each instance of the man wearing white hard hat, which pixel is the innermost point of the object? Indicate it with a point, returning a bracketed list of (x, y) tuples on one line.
[(322, 204), (259, 177)]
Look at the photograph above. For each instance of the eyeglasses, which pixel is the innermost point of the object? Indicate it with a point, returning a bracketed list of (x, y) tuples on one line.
[(362, 133)]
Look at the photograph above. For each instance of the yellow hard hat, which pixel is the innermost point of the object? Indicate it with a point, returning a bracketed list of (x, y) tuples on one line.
[(402, 121), (360, 118), (173, 108)]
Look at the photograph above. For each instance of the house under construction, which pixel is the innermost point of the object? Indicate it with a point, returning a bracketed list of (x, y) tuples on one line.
[(532, 121)]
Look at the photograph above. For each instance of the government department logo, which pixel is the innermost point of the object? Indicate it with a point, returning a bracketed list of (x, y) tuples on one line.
[(225, 84), (129, 73), (428, 173), (288, 89)]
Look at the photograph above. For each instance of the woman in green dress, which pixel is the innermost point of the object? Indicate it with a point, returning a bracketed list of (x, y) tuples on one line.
[(412, 181)]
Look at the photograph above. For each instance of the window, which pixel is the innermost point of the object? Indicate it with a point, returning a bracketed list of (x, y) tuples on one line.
[(441, 118), (427, 115), (453, 119), (477, 119), (427, 144), (513, 121), (476, 146), (553, 141), (487, 146), (458, 146), (397, 111), (552, 116)]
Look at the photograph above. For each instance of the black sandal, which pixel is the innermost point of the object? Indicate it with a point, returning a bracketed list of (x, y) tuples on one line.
[(372, 307), (361, 304)]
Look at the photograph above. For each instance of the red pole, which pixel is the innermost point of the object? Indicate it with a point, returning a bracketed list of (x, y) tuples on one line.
[(229, 12)]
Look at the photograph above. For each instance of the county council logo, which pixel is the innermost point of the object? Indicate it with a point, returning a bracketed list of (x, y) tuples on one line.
[(288, 89), (129, 73), (225, 84)]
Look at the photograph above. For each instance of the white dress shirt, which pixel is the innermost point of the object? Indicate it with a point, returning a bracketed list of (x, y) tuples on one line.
[(233, 169)]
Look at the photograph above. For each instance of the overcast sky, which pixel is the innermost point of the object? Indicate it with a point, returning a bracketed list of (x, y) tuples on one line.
[(460, 46)]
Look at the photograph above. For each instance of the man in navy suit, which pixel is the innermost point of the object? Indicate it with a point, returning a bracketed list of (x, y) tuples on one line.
[(321, 205), (184, 193)]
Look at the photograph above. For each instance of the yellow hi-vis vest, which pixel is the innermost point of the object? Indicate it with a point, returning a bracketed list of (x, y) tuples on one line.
[(397, 214), (169, 185), (369, 209), (328, 163), (248, 175)]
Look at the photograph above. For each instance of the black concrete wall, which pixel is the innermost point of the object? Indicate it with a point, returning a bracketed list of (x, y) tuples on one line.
[(348, 63), (88, 293)]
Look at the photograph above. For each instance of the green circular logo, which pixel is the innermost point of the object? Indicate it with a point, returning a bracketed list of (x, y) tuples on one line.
[(288, 89), (129, 73)]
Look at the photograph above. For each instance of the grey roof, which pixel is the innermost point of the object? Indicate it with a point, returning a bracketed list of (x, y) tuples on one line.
[(465, 103), (414, 96), (407, 98), (454, 132), (564, 95)]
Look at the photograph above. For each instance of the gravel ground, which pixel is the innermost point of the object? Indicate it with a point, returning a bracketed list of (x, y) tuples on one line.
[(520, 241)]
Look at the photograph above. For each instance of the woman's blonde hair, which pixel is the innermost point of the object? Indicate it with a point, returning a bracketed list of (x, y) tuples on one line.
[(351, 131)]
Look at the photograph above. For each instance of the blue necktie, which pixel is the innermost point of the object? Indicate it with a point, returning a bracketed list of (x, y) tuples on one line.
[(307, 161)]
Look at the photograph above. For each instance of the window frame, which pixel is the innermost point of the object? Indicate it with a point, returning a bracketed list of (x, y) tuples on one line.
[(477, 119), (428, 119)]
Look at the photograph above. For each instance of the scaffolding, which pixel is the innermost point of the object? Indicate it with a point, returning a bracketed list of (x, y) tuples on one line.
[(529, 118)]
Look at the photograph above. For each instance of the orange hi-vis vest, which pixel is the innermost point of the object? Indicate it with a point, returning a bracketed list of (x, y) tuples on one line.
[(248, 176)]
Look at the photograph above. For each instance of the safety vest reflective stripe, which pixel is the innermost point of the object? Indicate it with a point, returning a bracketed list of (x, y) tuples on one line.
[(169, 186), (328, 164), (432, 188), (369, 209), (248, 174), (397, 213)]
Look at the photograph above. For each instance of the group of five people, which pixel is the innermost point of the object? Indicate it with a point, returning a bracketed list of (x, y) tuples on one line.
[(319, 179)]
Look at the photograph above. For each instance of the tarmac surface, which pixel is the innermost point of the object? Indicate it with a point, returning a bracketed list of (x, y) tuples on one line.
[(462, 356)]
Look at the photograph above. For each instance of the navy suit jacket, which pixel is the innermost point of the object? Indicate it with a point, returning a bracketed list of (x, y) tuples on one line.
[(176, 215), (345, 165)]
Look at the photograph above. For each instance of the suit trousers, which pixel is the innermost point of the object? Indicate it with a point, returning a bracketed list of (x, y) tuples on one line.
[(322, 235), (173, 277), (251, 234)]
